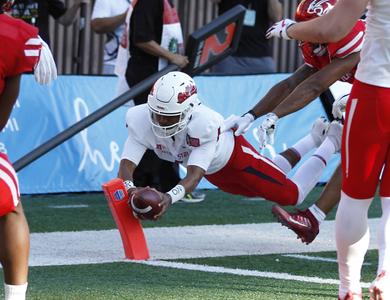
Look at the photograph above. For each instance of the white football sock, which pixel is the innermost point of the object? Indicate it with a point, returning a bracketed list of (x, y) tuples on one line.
[(384, 237), (282, 163), (15, 292), (317, 213), (307, 176), (352, 239), (304, 145)]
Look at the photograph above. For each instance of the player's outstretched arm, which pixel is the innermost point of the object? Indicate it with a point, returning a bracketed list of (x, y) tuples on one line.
[(186, 185), (316, 84), (281, 90), (266, 104), (331, 27), (8, 98)]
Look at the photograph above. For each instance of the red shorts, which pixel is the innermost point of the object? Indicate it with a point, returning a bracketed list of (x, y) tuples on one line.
[(366, 141), (250, 174), (9, 186)]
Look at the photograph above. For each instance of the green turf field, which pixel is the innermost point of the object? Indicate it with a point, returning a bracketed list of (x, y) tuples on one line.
[(127, 280)]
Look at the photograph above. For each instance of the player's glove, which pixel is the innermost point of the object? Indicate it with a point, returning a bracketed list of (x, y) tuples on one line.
[(241, 124), (266, 131), (45, 70), (279, 29), (339, 106)]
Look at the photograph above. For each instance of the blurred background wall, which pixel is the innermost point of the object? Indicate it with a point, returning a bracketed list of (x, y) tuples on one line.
[(193, 15)]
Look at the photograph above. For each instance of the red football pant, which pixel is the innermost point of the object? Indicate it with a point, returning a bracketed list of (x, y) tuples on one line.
[(250, 174), (366, 140), (9, 187)]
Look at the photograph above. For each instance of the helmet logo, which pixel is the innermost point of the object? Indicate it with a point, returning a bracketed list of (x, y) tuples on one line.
[(189, 91), (320, 7)]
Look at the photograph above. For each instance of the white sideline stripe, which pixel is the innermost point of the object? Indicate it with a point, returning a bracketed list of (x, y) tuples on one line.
[(69, 206), (316, 258), (240, 272)]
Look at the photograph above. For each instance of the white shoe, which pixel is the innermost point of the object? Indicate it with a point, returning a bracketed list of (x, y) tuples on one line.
[(319, 130), (334, 133), (379, 286)]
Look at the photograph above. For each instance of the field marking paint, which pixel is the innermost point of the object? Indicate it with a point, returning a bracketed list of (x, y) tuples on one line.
[(240, 272), (69, 206), (316, 258)]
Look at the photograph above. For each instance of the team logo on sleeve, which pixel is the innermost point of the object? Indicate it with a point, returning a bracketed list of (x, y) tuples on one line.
[(193, 142)]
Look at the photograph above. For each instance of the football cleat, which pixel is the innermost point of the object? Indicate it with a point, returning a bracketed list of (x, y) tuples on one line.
[(193, 197), (302, 222), (377, 288), (319, 130), (352, 296), (334, 133)]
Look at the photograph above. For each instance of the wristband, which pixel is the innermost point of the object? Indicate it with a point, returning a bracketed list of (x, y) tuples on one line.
[(128, 185), (177, 193), (252, 112)]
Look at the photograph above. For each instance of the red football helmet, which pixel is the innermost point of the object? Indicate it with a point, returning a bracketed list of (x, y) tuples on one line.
[(5, 5), (310, 9)]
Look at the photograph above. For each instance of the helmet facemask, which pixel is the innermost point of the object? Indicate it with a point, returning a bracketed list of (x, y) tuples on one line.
[(173, 129)]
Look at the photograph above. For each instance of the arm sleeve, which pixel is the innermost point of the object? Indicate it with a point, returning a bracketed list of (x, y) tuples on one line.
[(203, 155), (352, 43), (56, 8), (28, 53), (133, 150), (101, 9), (145, 16)]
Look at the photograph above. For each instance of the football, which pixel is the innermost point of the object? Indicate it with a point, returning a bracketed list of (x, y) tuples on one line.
[(145, 203)]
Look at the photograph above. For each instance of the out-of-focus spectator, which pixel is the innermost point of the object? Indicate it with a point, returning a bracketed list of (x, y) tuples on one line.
[(37, 12), (109, 17), (155, 39), (254, 53)]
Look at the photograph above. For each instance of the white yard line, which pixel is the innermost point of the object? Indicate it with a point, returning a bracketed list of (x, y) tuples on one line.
[(92, 247), (240, 272), (316, 258), (69, 206)]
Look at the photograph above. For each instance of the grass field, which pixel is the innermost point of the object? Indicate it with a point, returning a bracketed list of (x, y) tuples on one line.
[(271, 276)]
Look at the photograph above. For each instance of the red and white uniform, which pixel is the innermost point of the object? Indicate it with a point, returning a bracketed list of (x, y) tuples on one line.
[(231, 163), (19, 53), (366, 136), (320, 55)]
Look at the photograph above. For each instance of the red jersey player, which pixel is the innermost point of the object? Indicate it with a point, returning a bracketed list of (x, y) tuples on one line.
[(21, 50), (324, 65)]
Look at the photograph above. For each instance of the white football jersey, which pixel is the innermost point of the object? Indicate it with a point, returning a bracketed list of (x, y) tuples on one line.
[(374, 66), (200, 144)]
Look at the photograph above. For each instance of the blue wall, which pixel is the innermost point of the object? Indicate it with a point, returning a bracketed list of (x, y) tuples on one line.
[(92, 156)]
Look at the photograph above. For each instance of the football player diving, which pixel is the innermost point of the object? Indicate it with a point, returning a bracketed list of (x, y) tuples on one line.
[(21, 51), (323, 65), (178, 127)]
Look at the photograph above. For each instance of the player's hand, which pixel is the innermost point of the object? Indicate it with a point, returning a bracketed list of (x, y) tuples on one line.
[(279, 29), (266, 131), (179, 60), (339, 106), (165, 203), (45, 70), (241, 124)]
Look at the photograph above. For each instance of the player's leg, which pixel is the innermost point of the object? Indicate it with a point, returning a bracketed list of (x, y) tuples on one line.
[(14, 252), (287, 159), (307, 176), (14, 234), (381, 285), (362, 164), (250, 174), (306, 223)]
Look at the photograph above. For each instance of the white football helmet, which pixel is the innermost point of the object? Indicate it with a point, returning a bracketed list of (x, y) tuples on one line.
[(173, 95)]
